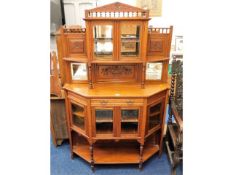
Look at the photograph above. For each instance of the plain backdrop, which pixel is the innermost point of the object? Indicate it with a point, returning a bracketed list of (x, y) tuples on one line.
[(24, 75)]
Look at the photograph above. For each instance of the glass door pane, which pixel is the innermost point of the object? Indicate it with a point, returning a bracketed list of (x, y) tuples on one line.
[(154, 116), (78, 116), (103, 41), (129, 121), (104, 121), (130, 40)]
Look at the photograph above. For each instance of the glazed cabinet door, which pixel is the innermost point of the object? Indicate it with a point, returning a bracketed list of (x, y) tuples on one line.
[(130, 37), (130, 121), (103, 40), (155, 116), (78, 117), (103, 121)]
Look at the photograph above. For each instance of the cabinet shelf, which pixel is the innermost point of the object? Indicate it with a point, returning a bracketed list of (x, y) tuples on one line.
[(79, 114), (154, 113), (129, 120), (112, 153), (130, 40), (104, 121), (103, 39)]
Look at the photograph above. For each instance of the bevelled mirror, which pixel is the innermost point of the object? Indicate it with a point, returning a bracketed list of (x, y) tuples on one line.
[(154, 71), (103, 40), (130, 40), (79, 71)]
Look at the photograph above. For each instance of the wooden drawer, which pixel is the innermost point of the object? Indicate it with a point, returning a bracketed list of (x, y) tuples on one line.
[(116, 102)]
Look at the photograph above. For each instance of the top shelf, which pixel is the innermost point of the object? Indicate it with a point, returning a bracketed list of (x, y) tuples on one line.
[(103, 39), (80, 114)]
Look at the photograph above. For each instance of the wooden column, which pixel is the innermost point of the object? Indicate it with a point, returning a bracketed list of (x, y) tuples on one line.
[(143, 75), (90, 76)]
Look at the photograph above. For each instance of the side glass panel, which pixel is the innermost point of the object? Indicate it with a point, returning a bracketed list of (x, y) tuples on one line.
[(130, 40), (103, 41), (104, 121), (78, 71), (154, 71), (129, 121), (154, 116), (78, 116)]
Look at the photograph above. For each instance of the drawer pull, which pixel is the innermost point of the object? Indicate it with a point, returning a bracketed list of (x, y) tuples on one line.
[(129, 102), (103, 102)]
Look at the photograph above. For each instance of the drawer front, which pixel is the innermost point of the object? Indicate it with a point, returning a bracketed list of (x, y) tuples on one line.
[(116, 102)]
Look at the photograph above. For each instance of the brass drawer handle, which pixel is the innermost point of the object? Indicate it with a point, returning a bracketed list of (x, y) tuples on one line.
[(129, 102), (103, 102)]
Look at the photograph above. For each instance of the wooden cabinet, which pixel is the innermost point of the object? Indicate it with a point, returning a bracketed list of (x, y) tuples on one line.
[(115, 80)]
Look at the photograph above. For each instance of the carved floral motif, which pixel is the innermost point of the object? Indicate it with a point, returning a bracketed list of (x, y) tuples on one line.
[(156, 46), (116, 70)]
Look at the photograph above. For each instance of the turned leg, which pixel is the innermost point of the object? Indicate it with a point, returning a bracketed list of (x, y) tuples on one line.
[(141, 157), (92, 160)]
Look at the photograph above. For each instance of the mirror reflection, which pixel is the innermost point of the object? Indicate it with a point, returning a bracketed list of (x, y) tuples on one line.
[(79, 71), (130, 39), (154, 71), (103, 41)]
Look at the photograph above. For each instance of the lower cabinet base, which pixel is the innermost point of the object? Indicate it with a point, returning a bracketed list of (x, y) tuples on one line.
[(112, 152)]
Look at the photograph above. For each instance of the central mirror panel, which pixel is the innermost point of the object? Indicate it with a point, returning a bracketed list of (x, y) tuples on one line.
[(130, 40), (103, 41)]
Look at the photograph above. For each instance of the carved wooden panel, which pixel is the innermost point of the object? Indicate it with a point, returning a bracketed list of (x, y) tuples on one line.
[(76, 46), (127, 72), (159, 41), (157, 46)]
